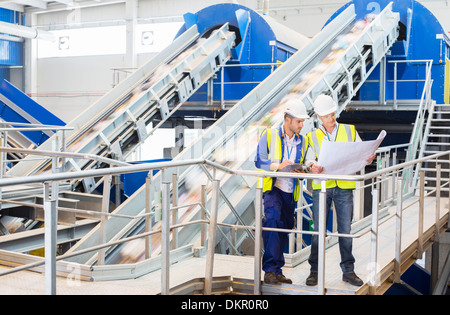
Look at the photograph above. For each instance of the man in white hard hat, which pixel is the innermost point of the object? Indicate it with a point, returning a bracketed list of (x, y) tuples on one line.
[(277, 148), (339, 192)]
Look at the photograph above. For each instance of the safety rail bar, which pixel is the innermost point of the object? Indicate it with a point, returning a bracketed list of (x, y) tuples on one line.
[(59, 154), (418, 135), (6, 127), (50, 209)]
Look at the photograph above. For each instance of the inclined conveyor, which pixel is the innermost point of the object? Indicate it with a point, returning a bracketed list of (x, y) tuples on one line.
[(337, 61), (113, 127), (124, 118)]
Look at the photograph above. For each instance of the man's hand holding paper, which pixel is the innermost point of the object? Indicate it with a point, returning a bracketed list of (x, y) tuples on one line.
[(347, 158)]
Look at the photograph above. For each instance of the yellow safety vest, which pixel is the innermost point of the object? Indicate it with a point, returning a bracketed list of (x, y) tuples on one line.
[(345, 133), (274, 142)]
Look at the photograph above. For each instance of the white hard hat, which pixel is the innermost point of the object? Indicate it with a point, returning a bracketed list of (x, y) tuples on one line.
[(324, 105), (294, 107)]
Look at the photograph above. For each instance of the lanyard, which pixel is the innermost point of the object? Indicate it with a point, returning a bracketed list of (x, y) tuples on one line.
[(289, 150), (326, 133)]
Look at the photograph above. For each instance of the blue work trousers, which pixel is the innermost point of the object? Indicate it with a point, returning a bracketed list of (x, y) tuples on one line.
[(279, 209), (343, 204)]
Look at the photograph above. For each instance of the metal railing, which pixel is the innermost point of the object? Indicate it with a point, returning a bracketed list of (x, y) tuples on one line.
[(419, 135), (399, 198), (222, 83), (50, 183), (59, 141)]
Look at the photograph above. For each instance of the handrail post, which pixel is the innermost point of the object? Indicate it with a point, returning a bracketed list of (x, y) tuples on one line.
[(51, 224), (421, 211), (63, 149), (435, 246), (148, 208), (3, 154), (258, 237), (203, 215), (301, 202), (398, 232), (165, 238), (175, 205), (395, 87), (438, 201), (105, 209), (374, 242), (358, 212), (382, 183), (222, 88), (448, 221), (322, 235), (393, 177), (212, 237)]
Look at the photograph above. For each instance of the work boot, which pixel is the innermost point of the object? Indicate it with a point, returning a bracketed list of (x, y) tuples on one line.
[(281, 278), (271, 278), (352, 278), (312, 278)]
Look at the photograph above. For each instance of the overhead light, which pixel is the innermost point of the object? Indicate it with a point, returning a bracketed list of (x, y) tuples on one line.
[(64, 43), (147, 38)]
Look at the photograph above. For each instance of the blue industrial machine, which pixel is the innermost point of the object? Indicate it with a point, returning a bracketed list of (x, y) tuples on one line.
[(421, 38), (12, 51), (16, 106), (259, 40)]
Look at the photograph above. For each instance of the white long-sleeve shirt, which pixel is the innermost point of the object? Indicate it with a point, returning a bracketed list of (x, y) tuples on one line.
[(290, 153)]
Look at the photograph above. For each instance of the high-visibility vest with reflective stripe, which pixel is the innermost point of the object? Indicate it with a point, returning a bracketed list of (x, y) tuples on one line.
[(345, 133), (275, 148)]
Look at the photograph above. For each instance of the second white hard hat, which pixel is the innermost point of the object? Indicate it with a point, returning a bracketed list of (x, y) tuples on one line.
[(294, 107), (324, 105)]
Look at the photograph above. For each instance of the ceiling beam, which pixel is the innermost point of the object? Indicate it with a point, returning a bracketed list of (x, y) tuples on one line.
[(34, 3), (66, 2), (62, 6), (12, 6)]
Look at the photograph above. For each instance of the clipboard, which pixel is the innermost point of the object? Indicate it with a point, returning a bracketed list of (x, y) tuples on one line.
[(289, 168)]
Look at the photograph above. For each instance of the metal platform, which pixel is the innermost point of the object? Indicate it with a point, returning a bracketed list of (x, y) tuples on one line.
[(187, 276)]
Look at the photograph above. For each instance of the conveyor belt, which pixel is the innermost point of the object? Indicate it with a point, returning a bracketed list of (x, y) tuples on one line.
[(119, 122), (350, 49)]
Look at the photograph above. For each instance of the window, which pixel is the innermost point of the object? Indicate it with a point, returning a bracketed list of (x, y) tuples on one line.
[(111, 40), (85, 42), (153, 38)]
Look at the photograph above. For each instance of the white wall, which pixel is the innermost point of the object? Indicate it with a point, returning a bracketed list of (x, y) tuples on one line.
[(66, 86)]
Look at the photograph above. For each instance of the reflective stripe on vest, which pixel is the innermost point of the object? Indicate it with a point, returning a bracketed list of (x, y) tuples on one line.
[(274, 145), (345, 133), (276, 155)]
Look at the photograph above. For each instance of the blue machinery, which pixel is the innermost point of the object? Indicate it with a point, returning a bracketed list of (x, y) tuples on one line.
[(18, 107), (260, 43), (421, 37), (192, 71)]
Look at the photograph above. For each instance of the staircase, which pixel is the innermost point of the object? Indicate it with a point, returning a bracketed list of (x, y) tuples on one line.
[(436, 140)]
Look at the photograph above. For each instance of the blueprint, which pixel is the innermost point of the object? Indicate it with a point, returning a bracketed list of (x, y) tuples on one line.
[(347, 158)]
